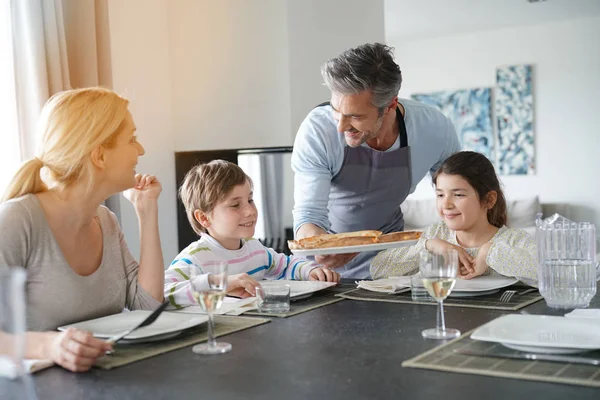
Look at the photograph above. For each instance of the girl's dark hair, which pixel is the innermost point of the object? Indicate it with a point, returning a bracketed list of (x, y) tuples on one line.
[(476, 169)]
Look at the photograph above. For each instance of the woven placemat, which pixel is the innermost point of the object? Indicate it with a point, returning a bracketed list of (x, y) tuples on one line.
[(443, 358), (224, 325), (319, 299), (490, 301)]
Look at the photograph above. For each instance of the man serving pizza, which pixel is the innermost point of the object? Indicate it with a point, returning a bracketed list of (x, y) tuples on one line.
[(357, 157)]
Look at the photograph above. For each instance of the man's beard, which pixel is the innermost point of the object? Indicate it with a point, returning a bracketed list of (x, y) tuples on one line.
[(367, 135)]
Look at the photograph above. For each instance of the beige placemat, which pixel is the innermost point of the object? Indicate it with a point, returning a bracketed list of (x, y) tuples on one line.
[(443, 358), (319, 299), (491, 301), (224, 325)]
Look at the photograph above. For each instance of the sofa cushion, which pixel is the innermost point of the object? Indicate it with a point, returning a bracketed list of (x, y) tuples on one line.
[(522, 212), (420, 213)]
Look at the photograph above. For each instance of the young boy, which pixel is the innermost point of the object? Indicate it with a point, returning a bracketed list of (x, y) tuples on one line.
[(218, 202)]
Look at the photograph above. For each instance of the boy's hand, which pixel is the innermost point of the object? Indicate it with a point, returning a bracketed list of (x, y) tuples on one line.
[(324, 275), (241, 285)]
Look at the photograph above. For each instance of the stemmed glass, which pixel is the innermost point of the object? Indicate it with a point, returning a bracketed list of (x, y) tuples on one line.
[(210, 300), (439, 273)]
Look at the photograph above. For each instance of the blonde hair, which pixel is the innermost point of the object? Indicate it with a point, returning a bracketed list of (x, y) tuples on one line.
[(72, 124), (207, 184)]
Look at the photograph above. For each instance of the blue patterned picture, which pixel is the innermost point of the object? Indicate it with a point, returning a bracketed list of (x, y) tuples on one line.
[(514, 119), (470, 112)]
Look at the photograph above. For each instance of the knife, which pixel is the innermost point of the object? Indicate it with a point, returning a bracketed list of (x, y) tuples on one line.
[(531, 356)]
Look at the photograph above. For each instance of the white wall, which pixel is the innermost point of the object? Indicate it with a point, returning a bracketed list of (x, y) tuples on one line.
[(566, 60), (318, 31), (229, 73), (140, 72), (205, 74)]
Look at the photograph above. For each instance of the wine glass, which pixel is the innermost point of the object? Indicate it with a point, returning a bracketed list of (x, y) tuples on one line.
[(439, 273), (210, 299)]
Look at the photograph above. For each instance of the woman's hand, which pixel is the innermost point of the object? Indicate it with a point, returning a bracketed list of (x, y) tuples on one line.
[(147, 189), (75, 350), (480, 265), (323, 274), (465, 261), (241, 285)]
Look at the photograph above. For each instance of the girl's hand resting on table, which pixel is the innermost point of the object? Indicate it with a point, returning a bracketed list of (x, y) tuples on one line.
[(479, 265), (465, 261)]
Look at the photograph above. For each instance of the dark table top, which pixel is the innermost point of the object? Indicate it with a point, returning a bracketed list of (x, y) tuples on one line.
[(347, 350)]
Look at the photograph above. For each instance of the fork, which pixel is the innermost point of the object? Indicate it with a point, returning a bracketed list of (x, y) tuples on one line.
[(147, 321), (508, 294)]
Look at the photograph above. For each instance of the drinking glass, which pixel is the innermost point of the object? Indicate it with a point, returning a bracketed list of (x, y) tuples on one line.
[(273, 297), (439, 273), (12, 319), (210, 300), (567, 261)]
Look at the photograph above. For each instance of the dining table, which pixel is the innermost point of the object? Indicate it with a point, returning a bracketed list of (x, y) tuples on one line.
[(346, 350)]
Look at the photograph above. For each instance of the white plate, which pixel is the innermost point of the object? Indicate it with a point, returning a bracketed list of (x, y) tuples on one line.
[(300, 288), (150, 339), (472, 294), (354, 249), (541, 333), (483, 283), (544, 350), (167, 322)]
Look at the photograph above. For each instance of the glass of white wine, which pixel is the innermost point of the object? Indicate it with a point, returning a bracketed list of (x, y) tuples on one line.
[(210, 300), (439, 273)]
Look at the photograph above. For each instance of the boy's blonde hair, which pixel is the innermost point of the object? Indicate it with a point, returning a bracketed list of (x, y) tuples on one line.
[(207, 184), (72, 124)]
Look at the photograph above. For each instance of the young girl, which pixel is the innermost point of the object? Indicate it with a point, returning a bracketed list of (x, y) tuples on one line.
[(473, 211), (218, 202)]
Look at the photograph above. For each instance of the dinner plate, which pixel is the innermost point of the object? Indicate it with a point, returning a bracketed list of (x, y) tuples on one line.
[(300, 289), (354, 249), (150, 338), (473, 294), (483, 283), (166, 323), (541, 333)]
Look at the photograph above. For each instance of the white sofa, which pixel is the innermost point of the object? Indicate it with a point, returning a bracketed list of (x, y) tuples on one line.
[(420, 213)]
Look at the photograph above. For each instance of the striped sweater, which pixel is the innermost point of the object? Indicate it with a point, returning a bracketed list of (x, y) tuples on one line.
[(185, 275)]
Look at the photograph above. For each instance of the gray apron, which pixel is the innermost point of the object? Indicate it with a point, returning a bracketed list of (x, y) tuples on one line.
[(367, 193)]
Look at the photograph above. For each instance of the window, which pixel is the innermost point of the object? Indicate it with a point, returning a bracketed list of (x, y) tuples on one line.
[(10, 154)]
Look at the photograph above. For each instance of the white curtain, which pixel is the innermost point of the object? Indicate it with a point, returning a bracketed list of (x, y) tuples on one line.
[(41, 64), (58, 45)]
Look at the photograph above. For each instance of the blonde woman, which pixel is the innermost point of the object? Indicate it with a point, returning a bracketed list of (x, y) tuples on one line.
[(54, 224)]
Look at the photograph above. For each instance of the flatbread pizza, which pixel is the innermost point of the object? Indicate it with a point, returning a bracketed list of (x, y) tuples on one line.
[(357, 238)]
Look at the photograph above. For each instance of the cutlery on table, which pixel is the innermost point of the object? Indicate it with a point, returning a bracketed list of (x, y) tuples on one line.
[(147, 321), (531, 356)]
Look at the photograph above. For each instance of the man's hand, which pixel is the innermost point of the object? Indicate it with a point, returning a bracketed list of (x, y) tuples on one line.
[(335, 260)]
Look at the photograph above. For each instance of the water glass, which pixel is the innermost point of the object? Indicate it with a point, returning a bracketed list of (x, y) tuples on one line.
[(273, 297), (417, 289), (567, 262), (439, 272), (12, 319)]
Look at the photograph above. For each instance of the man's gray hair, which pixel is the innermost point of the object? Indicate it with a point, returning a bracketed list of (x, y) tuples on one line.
[(367, 67)]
